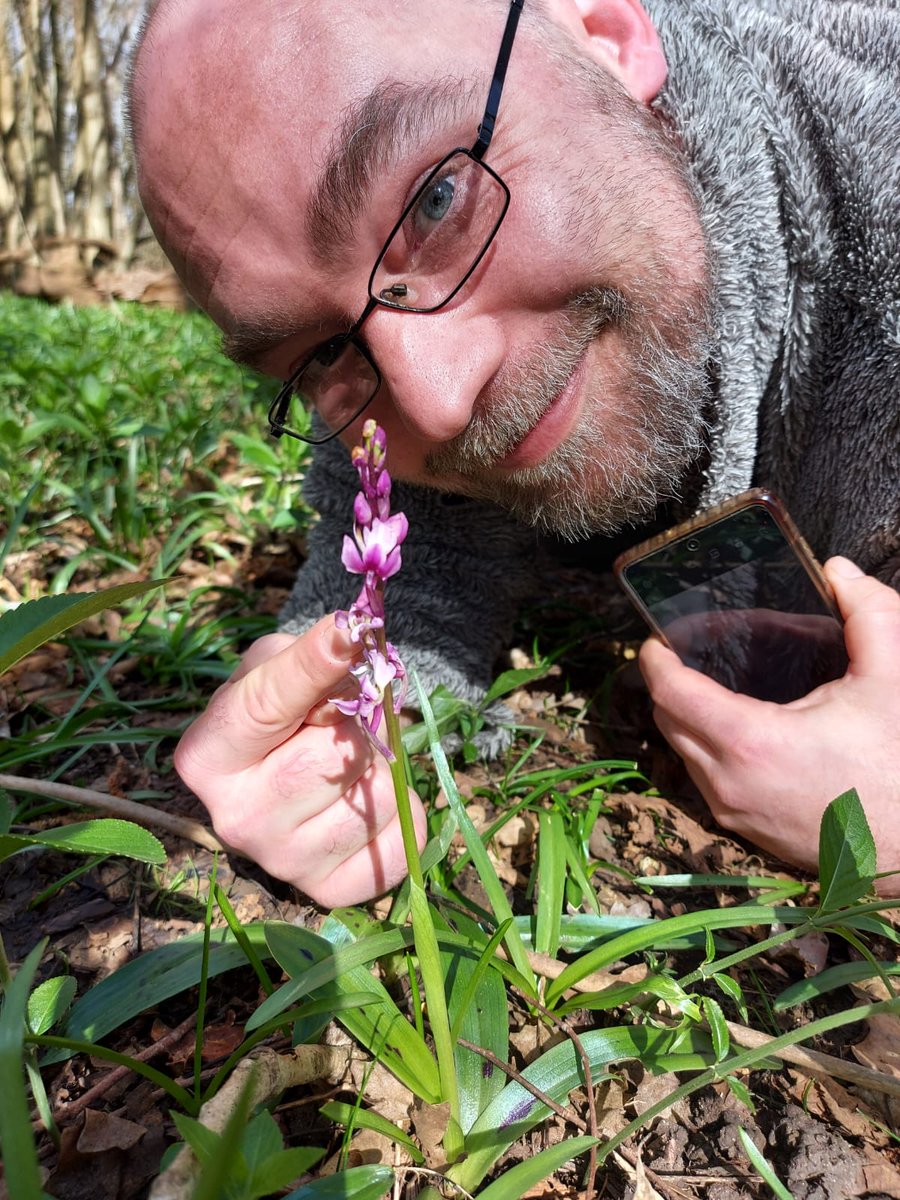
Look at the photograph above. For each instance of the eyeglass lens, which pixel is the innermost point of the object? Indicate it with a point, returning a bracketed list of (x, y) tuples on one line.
[(338, 385), (439, 239), (441, 235)]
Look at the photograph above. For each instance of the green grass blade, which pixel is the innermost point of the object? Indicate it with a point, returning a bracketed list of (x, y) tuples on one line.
[(20, 1162), (350, 1115), (483, 865), (167, 1084), (580, 932), (763, 1166), (15, 522), (551, 882), (243, 941), (782, 887), (828, 980), (690, 923)]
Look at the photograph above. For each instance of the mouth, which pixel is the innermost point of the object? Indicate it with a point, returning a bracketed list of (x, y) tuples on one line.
[(555, 424)]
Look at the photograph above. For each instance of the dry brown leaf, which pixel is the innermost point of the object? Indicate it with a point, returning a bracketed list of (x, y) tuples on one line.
[(882, 1179), (880, 1048), (830, 1101), (810, 951), (651, 1090), (518, 831), (610, 1100), (430, 1124), (104, 1131), (220, 1040)]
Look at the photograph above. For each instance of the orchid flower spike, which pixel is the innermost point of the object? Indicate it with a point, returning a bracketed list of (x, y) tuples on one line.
[(373, 552)]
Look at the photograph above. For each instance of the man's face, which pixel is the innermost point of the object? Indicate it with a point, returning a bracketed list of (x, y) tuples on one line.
[(567, 380)]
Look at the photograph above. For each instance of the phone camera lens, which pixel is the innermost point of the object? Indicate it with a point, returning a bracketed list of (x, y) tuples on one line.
[(693, 545)]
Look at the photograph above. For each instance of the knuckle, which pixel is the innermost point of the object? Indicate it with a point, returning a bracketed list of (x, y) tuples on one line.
[(231, 829), (185, 761)]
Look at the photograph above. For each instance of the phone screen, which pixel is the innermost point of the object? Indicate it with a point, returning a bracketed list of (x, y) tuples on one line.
[(735, 601)]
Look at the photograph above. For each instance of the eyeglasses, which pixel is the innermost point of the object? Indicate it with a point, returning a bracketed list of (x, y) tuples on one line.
[(441, 237)]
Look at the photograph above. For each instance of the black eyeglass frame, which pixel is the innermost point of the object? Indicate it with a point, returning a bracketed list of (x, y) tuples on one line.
[(280, 406)]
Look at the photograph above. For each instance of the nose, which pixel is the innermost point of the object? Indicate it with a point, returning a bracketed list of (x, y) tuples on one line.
[(434, 366)]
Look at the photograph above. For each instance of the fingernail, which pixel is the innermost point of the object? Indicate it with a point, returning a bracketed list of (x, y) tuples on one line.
[(845, 568)]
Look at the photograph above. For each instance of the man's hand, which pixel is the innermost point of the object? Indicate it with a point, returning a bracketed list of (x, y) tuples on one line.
[(768, 771), (288, 780)]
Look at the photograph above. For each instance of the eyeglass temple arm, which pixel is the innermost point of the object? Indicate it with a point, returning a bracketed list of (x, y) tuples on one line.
[(486, 128)]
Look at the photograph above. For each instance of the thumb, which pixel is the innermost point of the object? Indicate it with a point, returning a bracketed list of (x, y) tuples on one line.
[(871, 612)]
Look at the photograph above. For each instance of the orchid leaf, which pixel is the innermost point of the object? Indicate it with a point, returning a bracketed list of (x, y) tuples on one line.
[(356, 1183), (35, 622), (149, 980), (478, 1007), (521, 1178), (515, 1111), (380, 1027)]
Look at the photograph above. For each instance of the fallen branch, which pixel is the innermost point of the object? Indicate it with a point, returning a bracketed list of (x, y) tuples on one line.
[(143, 814), (812, 1062), (269, 1074)]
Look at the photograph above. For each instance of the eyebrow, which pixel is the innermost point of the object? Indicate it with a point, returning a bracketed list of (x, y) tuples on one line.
[(254, 337), (373, 135), (375, 131)]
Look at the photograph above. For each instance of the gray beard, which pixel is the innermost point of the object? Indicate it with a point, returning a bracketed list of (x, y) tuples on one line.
[(592, 483)]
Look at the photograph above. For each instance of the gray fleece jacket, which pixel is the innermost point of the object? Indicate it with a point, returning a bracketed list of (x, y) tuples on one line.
[(789, 111)]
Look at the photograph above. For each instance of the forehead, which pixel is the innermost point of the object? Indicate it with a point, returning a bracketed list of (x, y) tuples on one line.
[(244, 101)]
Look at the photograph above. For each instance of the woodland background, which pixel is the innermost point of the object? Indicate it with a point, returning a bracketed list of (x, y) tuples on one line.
[(70, 222)]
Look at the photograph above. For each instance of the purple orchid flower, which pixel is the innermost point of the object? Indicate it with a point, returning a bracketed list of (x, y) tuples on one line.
[(373, 552)]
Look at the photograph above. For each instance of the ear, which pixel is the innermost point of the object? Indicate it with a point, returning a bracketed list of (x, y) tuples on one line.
[(621, 37)]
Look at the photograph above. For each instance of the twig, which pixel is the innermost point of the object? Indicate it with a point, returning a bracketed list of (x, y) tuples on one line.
[(811, 1062), (72, 1108), (526, 1084), (144, 814), (814, 1062)]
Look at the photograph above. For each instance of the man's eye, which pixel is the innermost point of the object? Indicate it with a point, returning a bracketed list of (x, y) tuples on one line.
[(435, 203)]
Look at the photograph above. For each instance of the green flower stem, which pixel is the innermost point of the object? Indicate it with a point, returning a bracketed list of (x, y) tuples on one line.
[(426, 942), (5, 972)]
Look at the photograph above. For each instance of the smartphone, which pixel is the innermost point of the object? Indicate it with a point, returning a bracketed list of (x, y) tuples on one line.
[(737, 594)]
